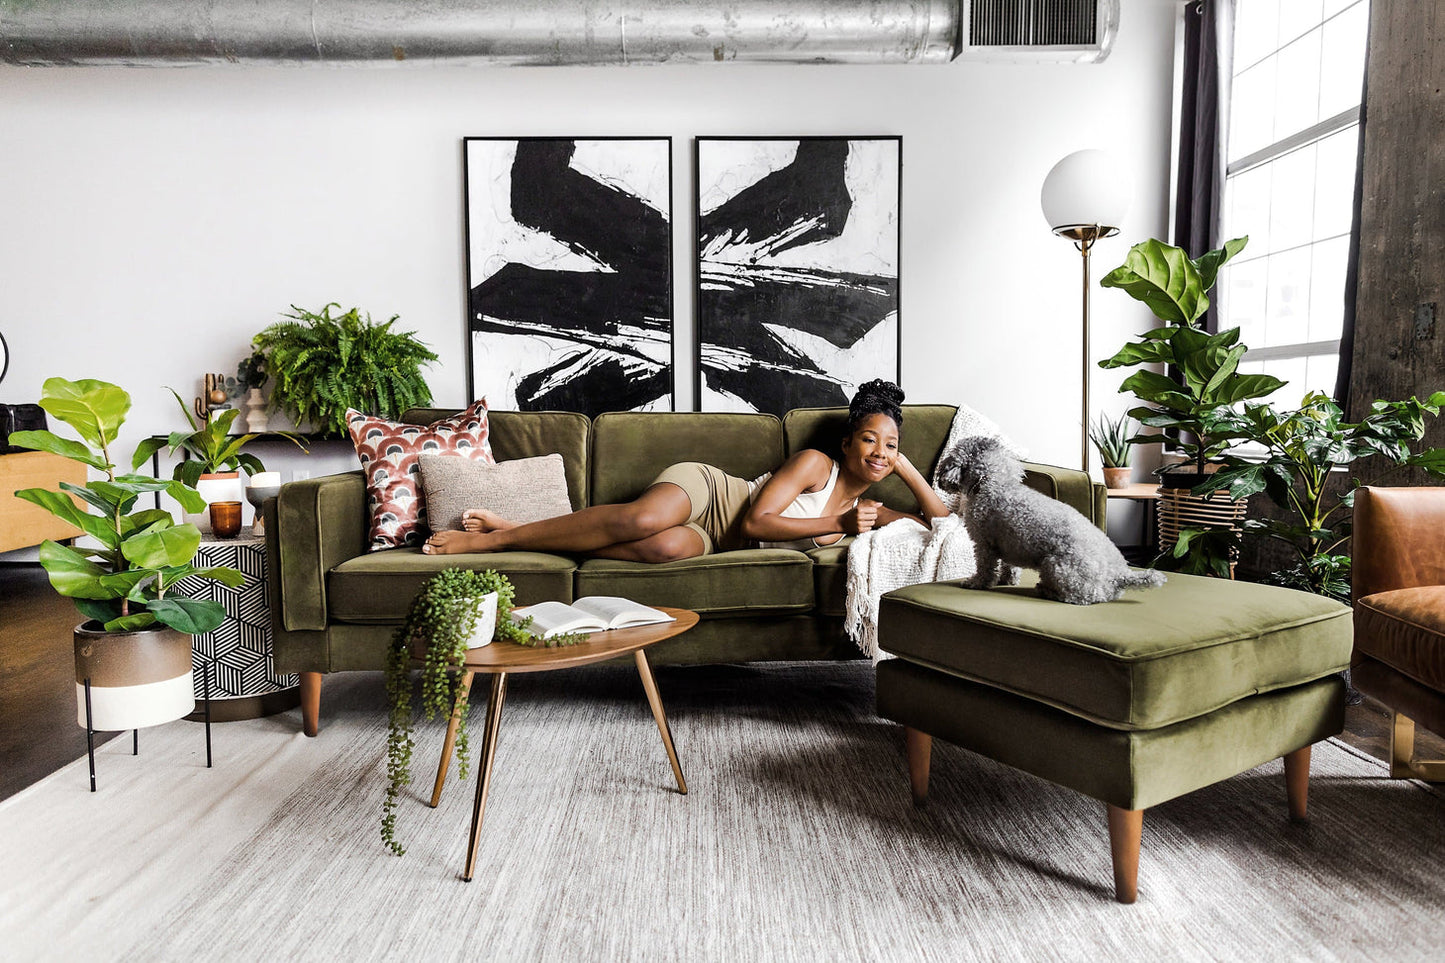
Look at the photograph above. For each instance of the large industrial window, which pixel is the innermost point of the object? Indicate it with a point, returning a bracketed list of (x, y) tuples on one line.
[(1294, 129)]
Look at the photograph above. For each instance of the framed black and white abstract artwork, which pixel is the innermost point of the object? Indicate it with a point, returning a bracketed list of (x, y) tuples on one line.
[(569, 273), (797, 269)]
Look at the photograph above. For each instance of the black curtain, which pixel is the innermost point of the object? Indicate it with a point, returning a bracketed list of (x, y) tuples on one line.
[(1203, 131), (1352, 268)]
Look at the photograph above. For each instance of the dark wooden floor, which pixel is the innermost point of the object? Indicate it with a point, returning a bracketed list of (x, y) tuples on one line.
[(39, 734), (38, 730)]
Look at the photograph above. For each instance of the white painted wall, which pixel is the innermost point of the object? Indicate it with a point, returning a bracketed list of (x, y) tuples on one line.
[(153, 220)]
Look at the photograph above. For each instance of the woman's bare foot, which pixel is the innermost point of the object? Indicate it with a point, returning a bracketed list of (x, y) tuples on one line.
[(454, 543), (483, 520)]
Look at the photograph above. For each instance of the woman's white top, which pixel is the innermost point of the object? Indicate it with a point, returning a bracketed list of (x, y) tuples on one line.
[(806, 505)]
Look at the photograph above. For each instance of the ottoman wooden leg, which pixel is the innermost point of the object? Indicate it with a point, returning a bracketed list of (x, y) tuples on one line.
[(1126, 826), (1297, 781), (920, 751)]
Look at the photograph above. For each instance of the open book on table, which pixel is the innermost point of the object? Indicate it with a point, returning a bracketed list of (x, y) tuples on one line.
[(591, 613)]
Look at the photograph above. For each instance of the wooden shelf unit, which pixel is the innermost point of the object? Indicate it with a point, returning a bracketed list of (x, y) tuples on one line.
[(22, 524)]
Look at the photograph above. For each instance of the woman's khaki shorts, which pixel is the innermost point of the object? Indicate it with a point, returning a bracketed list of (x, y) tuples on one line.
[(719, 502)]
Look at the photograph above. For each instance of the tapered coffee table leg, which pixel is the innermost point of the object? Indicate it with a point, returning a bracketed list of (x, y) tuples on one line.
[(451, 739), (484, 767), (655, 701)]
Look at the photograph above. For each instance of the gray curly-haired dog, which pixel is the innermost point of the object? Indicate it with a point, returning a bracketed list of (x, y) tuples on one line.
[(1012, 525)]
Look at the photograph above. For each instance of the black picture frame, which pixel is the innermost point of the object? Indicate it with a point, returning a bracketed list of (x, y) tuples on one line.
[(569, 298), (796, 269)]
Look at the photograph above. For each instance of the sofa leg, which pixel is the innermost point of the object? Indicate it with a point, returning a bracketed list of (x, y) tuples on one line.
[(1297, 782), (310, 702), (920, 751), (1126, 826), (1403, 764)]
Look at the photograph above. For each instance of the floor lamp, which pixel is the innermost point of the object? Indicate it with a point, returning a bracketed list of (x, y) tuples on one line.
[(1084, 200)]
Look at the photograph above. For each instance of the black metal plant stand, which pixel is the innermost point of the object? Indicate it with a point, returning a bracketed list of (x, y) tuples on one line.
[(135, 733)]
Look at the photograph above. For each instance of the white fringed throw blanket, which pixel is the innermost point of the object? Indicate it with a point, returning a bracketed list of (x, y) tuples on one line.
[(907, 553)]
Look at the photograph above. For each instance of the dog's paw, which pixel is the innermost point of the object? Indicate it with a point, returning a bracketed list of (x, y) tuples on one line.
[(978, 582), (1009, 576)]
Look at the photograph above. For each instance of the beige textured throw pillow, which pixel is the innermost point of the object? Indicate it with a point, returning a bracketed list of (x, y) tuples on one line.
[(520, 490)]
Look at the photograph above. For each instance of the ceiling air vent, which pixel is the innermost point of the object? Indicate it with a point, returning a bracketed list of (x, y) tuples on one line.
[(1039, 31)]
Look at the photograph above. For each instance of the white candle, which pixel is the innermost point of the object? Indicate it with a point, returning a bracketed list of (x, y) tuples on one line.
[(266, 479)]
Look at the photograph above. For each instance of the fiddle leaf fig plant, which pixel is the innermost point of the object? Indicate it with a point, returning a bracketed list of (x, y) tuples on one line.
[(1200, 406), (123, 582)]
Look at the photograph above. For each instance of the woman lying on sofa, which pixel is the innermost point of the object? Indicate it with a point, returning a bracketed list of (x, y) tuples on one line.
[(694, 509)]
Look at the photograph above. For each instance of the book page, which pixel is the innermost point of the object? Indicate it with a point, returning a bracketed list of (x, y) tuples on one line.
[(556, 618), (616, 613)]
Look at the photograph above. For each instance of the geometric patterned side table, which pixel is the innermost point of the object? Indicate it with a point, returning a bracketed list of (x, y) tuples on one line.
[(244, 680)]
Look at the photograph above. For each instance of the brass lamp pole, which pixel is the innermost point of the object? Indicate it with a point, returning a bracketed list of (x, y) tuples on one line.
[(1084, 199), (1084, 236)]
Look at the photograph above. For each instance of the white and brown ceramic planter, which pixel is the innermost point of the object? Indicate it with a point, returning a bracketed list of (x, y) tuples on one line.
[(137, 679)]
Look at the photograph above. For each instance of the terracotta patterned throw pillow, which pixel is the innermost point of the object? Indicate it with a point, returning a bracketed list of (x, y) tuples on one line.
[(389, 454)]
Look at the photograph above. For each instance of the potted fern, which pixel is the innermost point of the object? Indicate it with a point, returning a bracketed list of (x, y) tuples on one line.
[(325, 363), (132, 650)]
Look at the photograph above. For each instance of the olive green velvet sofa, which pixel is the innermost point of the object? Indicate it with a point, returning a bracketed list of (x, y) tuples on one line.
[(335, 604)]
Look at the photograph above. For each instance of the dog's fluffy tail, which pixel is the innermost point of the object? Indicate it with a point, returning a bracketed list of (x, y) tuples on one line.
[(1142, 578)]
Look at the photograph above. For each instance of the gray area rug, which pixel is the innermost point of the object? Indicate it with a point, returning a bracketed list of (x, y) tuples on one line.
[(797, 842)]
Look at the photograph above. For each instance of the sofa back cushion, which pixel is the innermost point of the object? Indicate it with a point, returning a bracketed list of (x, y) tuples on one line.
[(527, 434), (925, 429), (631, 448)]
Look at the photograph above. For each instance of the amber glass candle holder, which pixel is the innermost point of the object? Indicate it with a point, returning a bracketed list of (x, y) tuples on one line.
[(226, 519)]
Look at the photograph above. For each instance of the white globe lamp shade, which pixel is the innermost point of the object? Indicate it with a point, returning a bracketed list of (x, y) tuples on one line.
[(1086, 187)]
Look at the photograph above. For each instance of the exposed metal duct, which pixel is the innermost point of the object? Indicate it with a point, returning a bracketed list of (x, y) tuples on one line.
[(537, 32)]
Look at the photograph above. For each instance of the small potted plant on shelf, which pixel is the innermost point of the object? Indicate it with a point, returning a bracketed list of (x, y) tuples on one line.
[(324, 364), (133, 651), (251, 377), (1111, 438), (214, 457)]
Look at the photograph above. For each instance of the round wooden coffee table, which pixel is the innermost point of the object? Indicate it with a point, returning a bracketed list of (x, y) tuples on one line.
[(501, 659)]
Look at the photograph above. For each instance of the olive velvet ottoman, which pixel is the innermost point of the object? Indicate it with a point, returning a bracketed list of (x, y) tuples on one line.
[(1132, 702)]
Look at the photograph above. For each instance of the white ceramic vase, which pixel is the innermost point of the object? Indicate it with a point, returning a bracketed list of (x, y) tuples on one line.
[(486, 621), (256, 418)]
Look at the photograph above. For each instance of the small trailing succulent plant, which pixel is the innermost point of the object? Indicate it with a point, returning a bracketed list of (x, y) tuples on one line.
[(442, 618)]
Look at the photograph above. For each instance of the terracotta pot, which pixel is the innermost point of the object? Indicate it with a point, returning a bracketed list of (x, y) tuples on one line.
[(137, 679), (1115, 478)]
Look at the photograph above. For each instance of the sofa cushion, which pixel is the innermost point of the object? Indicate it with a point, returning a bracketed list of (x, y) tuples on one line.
[(520, 490), (389, 452), (631, 448), (830, 577), (1152, 658), (1405, 629), (749, 582), (527, 434), (379, 586)]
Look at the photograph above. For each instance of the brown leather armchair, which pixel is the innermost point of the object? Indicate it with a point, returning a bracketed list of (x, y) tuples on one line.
[(1399, 596)]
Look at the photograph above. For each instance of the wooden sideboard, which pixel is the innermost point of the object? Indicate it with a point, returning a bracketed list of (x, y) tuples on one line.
[(21, 523)]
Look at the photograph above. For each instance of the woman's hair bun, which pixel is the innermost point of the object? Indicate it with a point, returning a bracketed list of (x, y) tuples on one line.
[(876, 397)]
